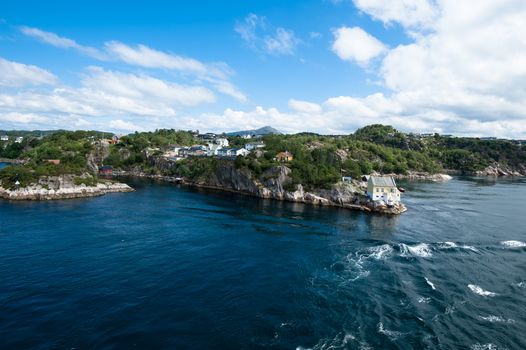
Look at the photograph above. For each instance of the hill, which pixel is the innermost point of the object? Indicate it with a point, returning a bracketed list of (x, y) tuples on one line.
[(266, 130)]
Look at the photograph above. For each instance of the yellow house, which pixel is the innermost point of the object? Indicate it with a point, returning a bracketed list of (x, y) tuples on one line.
[(383, 188), (284, 156)]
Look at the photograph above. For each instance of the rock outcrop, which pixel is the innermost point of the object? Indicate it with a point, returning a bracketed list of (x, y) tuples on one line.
[(422, 176), (62, 187), (497, 170), (276, 183)]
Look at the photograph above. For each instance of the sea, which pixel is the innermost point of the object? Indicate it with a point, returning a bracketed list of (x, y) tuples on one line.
[(171, 267)]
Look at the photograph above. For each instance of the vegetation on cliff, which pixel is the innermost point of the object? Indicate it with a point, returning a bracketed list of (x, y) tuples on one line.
[(319, 160), (70, 148)]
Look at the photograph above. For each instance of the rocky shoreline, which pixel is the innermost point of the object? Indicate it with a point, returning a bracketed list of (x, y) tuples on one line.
[(271, 186), (62, 187)]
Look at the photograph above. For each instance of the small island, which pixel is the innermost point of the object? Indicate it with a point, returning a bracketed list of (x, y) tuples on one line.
[(356, 171)]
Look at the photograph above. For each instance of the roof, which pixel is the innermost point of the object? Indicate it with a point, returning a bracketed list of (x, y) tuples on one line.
[(285, 154), (384, 181)]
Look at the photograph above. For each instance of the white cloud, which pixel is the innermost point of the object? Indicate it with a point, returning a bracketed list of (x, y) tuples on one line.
[(106, 93), (144, 56), (304, 106), (146, 88), (282, 43), (409, 13), (58, 41), (354, 44), (14, 74), (215, 74), (22, 118), (258, 34), (122, 125)]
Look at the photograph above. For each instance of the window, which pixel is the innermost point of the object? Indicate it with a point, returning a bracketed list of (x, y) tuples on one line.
[(377, 190)]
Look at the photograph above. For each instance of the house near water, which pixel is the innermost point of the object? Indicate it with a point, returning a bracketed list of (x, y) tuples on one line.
[(383, 188)]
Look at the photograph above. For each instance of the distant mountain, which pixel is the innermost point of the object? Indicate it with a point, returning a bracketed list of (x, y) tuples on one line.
[(266, 130)]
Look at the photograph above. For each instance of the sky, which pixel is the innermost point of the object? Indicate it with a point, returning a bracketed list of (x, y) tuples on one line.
[(325, 66)]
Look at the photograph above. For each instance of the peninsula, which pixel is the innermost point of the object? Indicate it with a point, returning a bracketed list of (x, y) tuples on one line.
[(332, 170)]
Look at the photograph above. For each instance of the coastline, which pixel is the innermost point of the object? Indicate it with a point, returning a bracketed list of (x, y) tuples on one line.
[(61, 187), (340, 197)]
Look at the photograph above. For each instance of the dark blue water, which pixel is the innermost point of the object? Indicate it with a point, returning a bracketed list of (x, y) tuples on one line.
[(173, 268)]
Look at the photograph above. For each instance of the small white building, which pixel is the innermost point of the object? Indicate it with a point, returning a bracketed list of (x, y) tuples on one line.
[(19, 139), (232, 152), (254, 145), (212, 149), (4, 138), (221, 141), (383, 188)]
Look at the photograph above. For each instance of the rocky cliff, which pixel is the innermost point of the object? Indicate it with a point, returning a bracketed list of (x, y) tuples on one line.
[(498, 170), (275, 183), (62, 187)]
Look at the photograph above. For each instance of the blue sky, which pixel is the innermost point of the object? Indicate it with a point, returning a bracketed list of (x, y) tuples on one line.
[(319, 65)]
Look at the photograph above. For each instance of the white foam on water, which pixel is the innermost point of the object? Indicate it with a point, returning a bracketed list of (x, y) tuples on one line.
[(430, 283), (393, 335), (521, 284), (380, 252), (488, 346), (449, 310), (513, 244), (453, 245), (493, 319), (424, 300), (478, 290), (422, 250)]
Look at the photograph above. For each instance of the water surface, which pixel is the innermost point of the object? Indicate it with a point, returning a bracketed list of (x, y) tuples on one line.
[(168, 267)]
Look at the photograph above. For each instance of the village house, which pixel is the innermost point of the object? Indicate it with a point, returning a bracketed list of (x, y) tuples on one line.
[(210, 136), (4, 138), (284, 156), (232, 152), (54, 161), (197, 151), (106, 169), (19, 139), (383, 188), (254, 145), (221, 141)]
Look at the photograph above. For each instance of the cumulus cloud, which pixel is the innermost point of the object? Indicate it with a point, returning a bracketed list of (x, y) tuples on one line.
[(354, 44), (14, 74), (408, 13), (259, 35), (122, 125), (304, 106), (106, 93), (462, 73)]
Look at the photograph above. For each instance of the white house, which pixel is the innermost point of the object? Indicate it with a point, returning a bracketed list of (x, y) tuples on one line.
[(383, 188), (232, 152), (19, 139), (4, 138), (212, 149), (254, 145), (221, 141), (241, 152)]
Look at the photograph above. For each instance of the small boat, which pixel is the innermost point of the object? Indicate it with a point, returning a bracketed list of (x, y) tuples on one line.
[(401, 189)]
